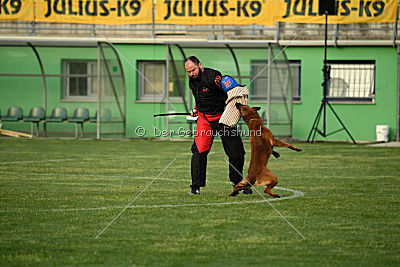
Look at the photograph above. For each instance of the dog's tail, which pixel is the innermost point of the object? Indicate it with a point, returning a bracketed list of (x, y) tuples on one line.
[(283, 144), (275, 154)]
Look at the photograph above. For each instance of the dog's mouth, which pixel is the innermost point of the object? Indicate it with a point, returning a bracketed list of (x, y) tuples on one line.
[(238, 105)]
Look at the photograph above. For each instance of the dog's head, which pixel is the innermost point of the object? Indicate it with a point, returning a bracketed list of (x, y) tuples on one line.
[(247, 112)]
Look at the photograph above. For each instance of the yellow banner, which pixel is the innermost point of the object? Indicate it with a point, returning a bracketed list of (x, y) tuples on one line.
[(17, 10), (346, 11), (196, 12), (215, 12), (95, 11)]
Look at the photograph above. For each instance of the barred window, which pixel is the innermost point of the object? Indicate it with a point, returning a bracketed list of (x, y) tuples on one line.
[(351, 81)]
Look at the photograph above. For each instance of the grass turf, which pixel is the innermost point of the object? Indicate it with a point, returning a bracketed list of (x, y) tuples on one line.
[(57, 195)]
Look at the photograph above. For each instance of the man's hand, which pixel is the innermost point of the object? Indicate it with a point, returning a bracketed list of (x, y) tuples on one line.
[(194, 113)]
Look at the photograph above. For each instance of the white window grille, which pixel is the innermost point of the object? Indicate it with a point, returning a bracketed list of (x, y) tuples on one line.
[(351, 80)]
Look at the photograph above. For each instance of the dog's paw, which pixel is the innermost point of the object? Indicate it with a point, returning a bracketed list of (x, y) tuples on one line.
[(234, 193), (275, 154), (297, 149)]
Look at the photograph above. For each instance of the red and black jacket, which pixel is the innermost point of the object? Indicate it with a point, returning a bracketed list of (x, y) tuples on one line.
[(208, 93)]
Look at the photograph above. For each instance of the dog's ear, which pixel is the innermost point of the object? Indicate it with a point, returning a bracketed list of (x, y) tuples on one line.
[(256, 108)]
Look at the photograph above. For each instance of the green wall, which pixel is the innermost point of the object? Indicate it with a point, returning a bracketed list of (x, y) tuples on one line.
[(27, 92), (360, 119)]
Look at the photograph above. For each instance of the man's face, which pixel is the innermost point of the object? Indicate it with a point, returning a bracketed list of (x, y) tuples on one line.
[(192, 69)]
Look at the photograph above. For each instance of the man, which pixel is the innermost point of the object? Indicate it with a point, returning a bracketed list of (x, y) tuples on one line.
[(205, 84)]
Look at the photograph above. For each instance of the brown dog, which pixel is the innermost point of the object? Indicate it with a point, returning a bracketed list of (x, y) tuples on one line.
[(262, 141)]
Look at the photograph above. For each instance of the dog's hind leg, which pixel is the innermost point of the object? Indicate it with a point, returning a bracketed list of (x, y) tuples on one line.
[(268, 190), (271, 181), (283, 144)]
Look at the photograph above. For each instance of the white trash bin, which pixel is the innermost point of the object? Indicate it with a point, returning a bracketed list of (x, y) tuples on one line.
[(382, 133)]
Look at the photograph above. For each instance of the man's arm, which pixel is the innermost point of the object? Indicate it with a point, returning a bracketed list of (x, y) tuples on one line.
[(217, 80), (193, 112)]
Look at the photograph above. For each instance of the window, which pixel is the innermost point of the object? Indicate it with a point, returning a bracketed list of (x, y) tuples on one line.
[(295, 69), (351, 80), (259, 86), (80, 81), (152, 85)]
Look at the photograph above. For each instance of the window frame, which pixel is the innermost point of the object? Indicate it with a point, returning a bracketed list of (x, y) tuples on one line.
[(296, 63), (142, 97), (295, 99), (350, 100), (91, 96)]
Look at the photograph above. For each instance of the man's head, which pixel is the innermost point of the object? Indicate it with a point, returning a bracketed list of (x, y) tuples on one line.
[(193, 67)]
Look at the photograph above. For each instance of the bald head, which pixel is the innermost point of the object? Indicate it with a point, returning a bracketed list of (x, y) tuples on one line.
[(193, 67)]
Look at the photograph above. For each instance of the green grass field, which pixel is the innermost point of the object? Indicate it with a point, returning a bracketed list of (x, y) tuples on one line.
[(56, 196)]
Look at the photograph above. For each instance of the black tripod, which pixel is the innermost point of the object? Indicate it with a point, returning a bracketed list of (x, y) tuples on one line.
[(324, 102)]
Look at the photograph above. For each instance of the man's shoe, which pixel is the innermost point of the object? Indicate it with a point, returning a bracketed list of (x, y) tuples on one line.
[(194, 192), (248, 191)]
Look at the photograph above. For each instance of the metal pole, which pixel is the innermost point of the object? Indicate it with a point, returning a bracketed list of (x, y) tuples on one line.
[(153, 19), (166, 91), (44, 86), (98, 90), (269, 86), (398, 95), (395, 26), (112, 84), (325, 70), (236, 62), (190, 91), (336, 34), (178, 81), (123, 85), (33, 31), (278, 32)]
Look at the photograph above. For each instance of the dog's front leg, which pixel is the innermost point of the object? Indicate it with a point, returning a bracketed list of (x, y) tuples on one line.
[(244, 184)]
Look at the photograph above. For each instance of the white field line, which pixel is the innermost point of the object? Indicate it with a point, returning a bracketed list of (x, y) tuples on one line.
[(296, 194), (136, 197), (105, 176), (94, 159), (268, 201)]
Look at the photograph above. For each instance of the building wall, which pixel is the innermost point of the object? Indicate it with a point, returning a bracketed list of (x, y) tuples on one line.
[(27, 92), (360, 119)]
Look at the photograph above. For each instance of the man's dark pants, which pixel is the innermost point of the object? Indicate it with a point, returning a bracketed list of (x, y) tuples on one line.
[(233, 147)]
